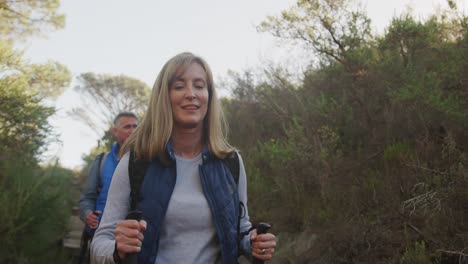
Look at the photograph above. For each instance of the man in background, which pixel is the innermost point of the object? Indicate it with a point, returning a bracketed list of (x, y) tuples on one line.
[(94, 196)]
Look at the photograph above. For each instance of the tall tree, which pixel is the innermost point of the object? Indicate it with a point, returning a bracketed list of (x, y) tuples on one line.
[(104, 96), (34, 202), (23, 116), (329, 27)]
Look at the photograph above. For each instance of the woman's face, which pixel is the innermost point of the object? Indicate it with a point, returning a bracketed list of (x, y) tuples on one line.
[(189, 97)]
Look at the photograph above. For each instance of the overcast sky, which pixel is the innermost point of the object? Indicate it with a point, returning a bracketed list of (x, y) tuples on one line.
[(136, 38)]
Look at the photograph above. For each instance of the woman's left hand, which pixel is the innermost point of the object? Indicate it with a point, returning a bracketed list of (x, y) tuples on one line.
[(263, 246)]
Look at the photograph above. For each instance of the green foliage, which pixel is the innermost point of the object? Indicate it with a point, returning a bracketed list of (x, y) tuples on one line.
[(429, 69), (416, 254), (20, 19), (34, 212), (34, 204), (368, 152), (324, 104), (34, 201), (329, 141), (23, 117), (23, 123), (47, 80), (326, 26), (280, 183), (397, 151)]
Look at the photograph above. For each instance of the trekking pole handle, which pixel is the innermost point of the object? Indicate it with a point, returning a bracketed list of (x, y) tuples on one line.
[(132, 258), (262, 228)]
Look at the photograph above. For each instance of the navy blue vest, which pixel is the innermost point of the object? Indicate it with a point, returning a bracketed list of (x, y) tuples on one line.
[(220, 191)]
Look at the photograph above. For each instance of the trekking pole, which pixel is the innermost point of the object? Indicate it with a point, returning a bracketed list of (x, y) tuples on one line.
[(262, 228), (83, 246), (85, 243), (132, 258)]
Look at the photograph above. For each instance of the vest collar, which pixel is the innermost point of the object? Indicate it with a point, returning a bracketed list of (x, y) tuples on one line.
[(206, 153)]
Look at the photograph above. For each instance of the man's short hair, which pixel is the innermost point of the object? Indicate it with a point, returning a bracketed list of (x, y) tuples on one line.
[(124, 114)]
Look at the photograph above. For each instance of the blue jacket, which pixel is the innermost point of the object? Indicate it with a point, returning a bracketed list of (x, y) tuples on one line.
[(107, 172), (220, 191), (94, 195)]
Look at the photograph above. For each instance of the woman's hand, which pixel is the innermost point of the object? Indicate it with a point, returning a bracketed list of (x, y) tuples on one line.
[(263, 246), (129, 236)]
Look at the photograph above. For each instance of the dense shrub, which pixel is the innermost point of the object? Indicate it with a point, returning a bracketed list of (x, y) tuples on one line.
[(368, 152)]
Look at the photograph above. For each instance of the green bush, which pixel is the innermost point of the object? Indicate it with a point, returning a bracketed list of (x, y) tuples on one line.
[(34, 211), (416, 254), (368, 151)]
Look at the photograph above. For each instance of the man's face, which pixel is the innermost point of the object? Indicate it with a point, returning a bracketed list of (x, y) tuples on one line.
[(124, 128)]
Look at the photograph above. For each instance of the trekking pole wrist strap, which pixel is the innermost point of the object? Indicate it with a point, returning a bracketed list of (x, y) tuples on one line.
[(115, 255)]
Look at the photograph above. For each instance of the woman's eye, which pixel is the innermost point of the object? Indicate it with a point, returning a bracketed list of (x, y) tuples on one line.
[(179, 87), (199, 85)]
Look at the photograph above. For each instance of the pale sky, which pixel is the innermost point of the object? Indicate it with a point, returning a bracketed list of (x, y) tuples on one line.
[(136, 38)]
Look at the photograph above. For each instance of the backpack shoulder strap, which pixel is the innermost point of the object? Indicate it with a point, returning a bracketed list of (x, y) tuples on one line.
[(232, 163), (101, 158), (136, 173)]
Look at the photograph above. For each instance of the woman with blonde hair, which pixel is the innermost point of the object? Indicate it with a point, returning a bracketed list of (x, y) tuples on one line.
[(188, 197)]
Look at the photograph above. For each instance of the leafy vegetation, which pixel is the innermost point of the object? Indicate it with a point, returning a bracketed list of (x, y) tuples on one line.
[(21, 19), (367, 153), (34, 210), (361, 161), (34, 202)]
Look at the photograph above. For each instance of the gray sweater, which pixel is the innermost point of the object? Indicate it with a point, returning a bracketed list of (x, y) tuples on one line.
[(188, 234)]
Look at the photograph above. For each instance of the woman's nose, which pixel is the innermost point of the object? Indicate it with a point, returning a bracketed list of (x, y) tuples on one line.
[(190, 93)]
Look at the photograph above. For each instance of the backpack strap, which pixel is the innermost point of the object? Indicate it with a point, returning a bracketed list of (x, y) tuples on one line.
[(232, 162), (136, 172), (101, 162), (102, 158)]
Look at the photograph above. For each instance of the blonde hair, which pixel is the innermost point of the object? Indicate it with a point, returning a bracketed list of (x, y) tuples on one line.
[(154, 131)]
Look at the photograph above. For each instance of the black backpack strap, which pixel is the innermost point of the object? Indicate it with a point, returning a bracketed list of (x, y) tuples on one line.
[(232, 163), (101, 158), (136, 173)]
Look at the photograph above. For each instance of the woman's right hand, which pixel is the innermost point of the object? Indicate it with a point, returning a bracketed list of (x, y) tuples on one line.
[(129, 236)]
